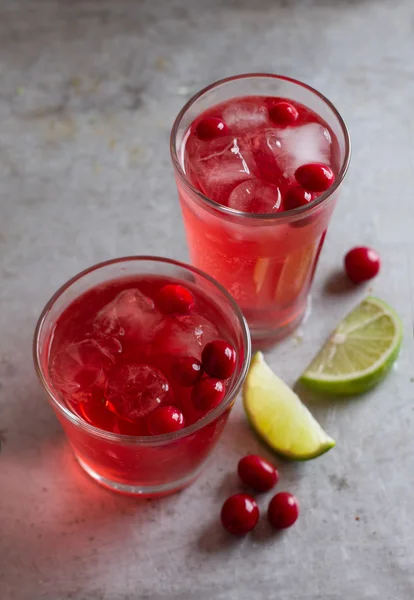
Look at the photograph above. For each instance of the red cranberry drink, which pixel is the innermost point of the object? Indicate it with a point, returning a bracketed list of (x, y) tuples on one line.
[(258, 160), (142, 360)]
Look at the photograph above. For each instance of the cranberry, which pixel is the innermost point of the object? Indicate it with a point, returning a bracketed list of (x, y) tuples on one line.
[(239, 514), (165, 419), (283, 113), (174, 299), (219, 359), (95, 412), (361, 264), (129, 428), (283, 510), (315, 177), (187, 370), (257, 472), (211, 127), (297, 196), (207, 394)]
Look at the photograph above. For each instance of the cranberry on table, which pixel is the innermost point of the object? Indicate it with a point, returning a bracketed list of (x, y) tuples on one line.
[(283, 113), (297, 196), (165, 419), (315, 177), (219, 359), (174, 299), (211, 127), (257, 472), (239, 514), (207, 394), (361, 264), (283, 510), (187, 370)]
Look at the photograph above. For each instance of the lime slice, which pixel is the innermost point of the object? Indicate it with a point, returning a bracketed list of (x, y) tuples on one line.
[(279, 417), (360, 351)]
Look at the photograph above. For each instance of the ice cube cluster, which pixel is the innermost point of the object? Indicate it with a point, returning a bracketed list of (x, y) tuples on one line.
[(121, 372), (254, 150)]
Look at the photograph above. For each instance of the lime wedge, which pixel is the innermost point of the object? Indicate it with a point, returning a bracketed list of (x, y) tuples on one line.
[(279, 417), (360, 351)]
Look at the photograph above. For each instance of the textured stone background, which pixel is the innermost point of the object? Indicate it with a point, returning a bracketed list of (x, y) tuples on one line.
[(88, 93)]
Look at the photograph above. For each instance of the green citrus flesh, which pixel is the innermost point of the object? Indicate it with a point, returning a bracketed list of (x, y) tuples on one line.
[(278, 416), (359, 353)]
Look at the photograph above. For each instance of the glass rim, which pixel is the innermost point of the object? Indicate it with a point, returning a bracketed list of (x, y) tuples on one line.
[(284, 217), (120, 437)]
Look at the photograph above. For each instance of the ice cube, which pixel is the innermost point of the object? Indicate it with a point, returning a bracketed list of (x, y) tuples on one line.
[(296, 146), (131, 313), (79, 367), (245, 116), (134, 390), (219, 165), (185, 335), (256, 196)]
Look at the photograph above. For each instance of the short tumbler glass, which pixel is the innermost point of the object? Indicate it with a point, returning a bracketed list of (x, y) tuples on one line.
[(266, 261), (142, 465)]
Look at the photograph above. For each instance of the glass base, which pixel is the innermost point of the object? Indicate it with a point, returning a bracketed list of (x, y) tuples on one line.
[(142, 491), (264, 338)]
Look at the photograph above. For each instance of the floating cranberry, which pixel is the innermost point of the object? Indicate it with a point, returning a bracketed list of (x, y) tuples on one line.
[(257, 472), (362, 264), (283, 510), (95, 412), (239, 514), (219, 359), (207, 394), (127, 428), (297, 196), (187, 370), (174, 299), (211, 127), (315, 177), (283, 113), (165, 419)]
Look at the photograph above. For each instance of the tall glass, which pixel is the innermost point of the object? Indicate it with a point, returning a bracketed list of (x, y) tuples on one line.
[(266, 261), (142, 465)]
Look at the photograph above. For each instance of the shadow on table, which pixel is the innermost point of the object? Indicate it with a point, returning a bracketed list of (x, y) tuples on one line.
[(323, 401), (338, 283), (52, 529), (30, 422), (215, 540)]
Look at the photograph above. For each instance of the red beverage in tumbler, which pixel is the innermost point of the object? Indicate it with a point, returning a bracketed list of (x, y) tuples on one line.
[(124, 356)]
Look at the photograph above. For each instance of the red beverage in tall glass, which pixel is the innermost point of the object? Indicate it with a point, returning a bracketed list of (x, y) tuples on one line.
[(256, 175)]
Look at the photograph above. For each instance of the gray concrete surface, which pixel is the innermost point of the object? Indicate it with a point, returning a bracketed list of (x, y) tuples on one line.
[(88, 93)]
